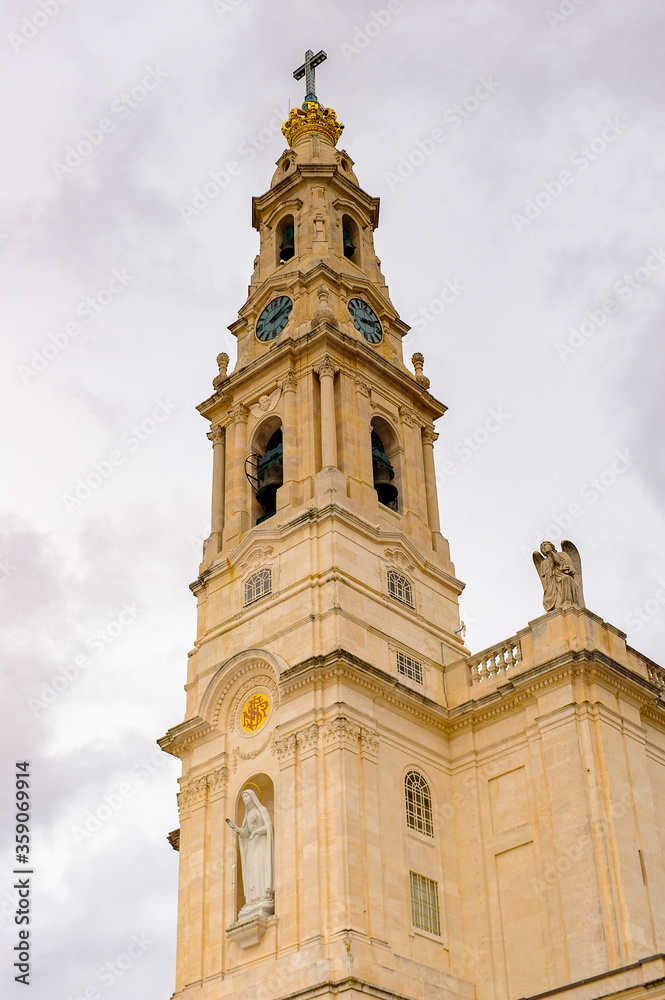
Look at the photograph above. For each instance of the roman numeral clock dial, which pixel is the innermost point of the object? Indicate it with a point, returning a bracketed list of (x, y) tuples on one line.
[(274, 318), (366, 321)]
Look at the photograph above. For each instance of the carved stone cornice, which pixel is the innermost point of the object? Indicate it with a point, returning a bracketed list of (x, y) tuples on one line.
[(398, 558), (341, 732), (216, 435), (284, 749), (196, 791), (289, 382), (369, 742), (179, 739), (217, 780), (193, 793), (239, 413), (308, 739), (407, 415), (326, 368)]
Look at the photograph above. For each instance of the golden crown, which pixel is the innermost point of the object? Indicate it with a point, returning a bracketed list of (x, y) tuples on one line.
[(312, 118)]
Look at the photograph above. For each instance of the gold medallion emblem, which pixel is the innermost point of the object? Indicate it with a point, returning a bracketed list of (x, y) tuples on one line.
[(254, 712)]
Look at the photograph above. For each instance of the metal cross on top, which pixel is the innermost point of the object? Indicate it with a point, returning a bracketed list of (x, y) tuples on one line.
[(307, 70)]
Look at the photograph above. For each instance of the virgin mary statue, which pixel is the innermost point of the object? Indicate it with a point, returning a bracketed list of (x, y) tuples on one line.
[(256, 857)]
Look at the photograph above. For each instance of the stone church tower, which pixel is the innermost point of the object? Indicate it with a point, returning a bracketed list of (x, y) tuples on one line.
[(366, 809)]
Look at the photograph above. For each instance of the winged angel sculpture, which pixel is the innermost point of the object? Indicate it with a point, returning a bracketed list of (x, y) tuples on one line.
[(561, 576)]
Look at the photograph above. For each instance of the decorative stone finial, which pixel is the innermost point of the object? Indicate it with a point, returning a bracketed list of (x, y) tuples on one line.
[(323, 310), (561, 575), (222, 364), (418, 361)]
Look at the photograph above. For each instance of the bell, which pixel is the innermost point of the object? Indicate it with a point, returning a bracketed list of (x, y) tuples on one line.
[(287, 246), (386, 492), (271, 479), (349, 247)]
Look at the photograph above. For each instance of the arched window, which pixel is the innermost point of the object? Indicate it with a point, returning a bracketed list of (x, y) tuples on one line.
[(386, 462), (257, 585), (350, 239), (400, 588), (286, 246), (418, 800), (270, 475)]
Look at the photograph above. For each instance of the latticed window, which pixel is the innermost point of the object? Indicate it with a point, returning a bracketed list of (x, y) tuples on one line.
[(408, 667), (418, 804), (425, 903), (400, 588), (257, 586)]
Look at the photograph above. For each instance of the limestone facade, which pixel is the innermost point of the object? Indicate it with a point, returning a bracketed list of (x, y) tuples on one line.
[(446, 825)]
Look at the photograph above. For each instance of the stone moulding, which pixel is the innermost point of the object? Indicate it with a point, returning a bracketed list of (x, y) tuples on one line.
[(249, 932), (180, 738), (197, 790)]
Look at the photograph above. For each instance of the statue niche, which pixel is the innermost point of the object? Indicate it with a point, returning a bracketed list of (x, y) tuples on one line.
[(255, 841), (561, 575)]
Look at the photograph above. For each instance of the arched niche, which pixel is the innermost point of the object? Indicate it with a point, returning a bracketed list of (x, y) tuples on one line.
[(386, 459), (267, 447), (226, 687), (262, 786)]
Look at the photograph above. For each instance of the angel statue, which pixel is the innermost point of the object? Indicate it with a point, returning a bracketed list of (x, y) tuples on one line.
[(256, 857), (561, 576)]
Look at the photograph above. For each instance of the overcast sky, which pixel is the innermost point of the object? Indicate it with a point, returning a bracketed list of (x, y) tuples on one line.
[(523, 243)]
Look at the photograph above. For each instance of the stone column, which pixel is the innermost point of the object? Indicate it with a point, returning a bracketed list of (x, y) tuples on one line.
[(218, 437), (289, 442), (288, 853), (362, 472), (217, 871), (239, 415), (429, 437), (326, 371), (192, 804)]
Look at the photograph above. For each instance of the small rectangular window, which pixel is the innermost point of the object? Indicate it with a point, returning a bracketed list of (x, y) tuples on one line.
[(409, 667), (425, 903)]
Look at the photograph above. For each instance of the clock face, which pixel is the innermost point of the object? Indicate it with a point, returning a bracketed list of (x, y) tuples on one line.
[(274, 318), (365, 321)]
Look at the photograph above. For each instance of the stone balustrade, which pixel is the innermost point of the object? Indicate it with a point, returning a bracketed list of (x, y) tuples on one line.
[(656, 675), (495, 660)]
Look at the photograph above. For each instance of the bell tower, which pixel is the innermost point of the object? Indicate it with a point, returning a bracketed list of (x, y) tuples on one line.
[(366, 809), (325, 579)]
